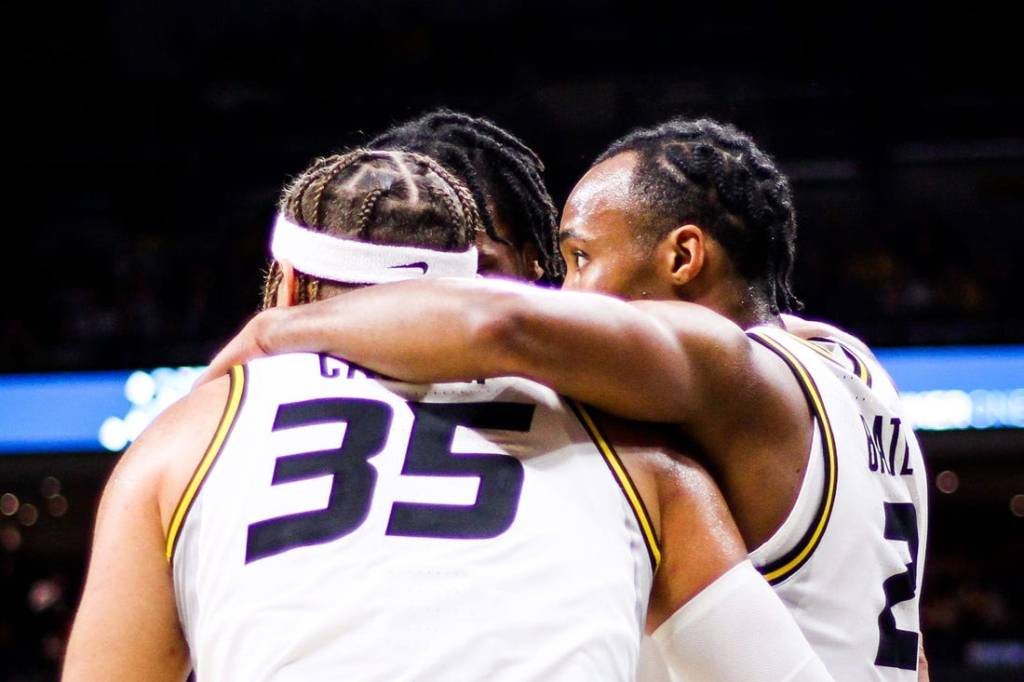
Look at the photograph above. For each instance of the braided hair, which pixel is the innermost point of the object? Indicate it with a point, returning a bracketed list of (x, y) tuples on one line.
[(381, 197), (713, 175), (503, 174)]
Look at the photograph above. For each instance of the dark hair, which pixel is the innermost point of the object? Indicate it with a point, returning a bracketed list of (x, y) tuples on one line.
[(377, 196), (713, 175), (503, 174)]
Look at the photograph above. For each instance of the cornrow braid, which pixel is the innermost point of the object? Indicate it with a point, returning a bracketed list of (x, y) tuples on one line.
[(466, 199), (304, 181), (326, 175), (378, 196), (503, 176), (292, 203), (712, 174), (367, 208)]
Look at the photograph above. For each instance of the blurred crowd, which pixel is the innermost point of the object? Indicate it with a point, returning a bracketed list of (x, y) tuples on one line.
[(919, 282), (113, 299), (36, 608)]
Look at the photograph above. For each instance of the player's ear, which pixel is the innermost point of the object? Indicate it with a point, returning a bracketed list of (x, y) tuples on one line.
[(531, 262), (685, 246), (287, 290)]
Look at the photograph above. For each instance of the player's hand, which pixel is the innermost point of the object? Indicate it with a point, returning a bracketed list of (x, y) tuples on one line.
[(244, 347)]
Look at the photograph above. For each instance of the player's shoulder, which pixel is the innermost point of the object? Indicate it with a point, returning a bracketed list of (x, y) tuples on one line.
[(160, 462), (187, 423), (173, 445), (823, 332), (847, 350)]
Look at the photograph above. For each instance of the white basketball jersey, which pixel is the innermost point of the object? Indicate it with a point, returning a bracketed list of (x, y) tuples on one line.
[(342, 527), (848, 560)]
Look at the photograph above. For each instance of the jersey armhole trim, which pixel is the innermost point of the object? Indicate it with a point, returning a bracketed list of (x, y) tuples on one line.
[(789, 563), (860, 368), (622, 477), (236, 395)]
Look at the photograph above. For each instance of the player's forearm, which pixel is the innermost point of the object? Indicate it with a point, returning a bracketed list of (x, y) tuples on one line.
[(591, 347), (416, 331)]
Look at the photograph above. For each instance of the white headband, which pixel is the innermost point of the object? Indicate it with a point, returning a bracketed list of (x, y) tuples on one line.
[(354, 262)]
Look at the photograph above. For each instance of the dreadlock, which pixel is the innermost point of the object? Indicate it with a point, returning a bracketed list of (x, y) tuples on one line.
[(712, 174), (503, 174), (381, 197)]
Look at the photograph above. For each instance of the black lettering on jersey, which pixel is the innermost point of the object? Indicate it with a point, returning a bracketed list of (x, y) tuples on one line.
[(329, 372), (353, 477), (430, 454), (893, 442), (881, 458), (873, 447), (906, 469), (898, 648), (357, 372), (331, 367), (876, 432)]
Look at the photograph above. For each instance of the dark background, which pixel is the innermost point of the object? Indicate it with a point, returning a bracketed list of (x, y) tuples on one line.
[(149, 142)]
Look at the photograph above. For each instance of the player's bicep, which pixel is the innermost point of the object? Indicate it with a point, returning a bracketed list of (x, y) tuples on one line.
[(699, 539), (626, 359), (127, 626)]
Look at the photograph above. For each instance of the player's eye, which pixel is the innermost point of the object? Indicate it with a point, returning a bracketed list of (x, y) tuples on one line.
[(579, 258)]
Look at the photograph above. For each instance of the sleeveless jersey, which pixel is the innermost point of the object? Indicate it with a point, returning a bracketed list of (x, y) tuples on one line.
[(342, 526), (848, 560)]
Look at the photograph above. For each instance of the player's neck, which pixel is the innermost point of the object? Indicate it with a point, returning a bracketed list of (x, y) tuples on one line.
[(742, 304)]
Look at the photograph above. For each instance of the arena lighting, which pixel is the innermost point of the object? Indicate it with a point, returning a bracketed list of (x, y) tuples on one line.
[(85, 411), (963, 387), (943, 388)]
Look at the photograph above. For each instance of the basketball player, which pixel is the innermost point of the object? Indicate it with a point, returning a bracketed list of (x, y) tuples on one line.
[(303, 520), (807, 439), (520, 220)]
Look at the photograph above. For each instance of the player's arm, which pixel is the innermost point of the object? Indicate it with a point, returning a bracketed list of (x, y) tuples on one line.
[(922, 663), (656, 361), (127, 624), (712, 615)]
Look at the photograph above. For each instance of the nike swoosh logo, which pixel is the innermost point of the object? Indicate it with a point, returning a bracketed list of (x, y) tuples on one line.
[(420, 265)]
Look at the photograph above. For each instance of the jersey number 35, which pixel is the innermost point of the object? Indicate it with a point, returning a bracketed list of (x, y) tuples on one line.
[(428, 453)]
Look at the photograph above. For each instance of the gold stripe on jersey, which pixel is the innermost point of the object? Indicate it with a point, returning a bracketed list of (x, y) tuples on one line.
[(860, 368), (227, 421), (780, 569), (622, 477)]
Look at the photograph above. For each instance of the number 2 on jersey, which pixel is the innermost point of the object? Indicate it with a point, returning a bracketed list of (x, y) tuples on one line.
[(898, 648), (428, 454)]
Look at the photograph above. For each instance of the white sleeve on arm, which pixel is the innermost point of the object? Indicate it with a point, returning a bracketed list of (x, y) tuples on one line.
[(737, 629)]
